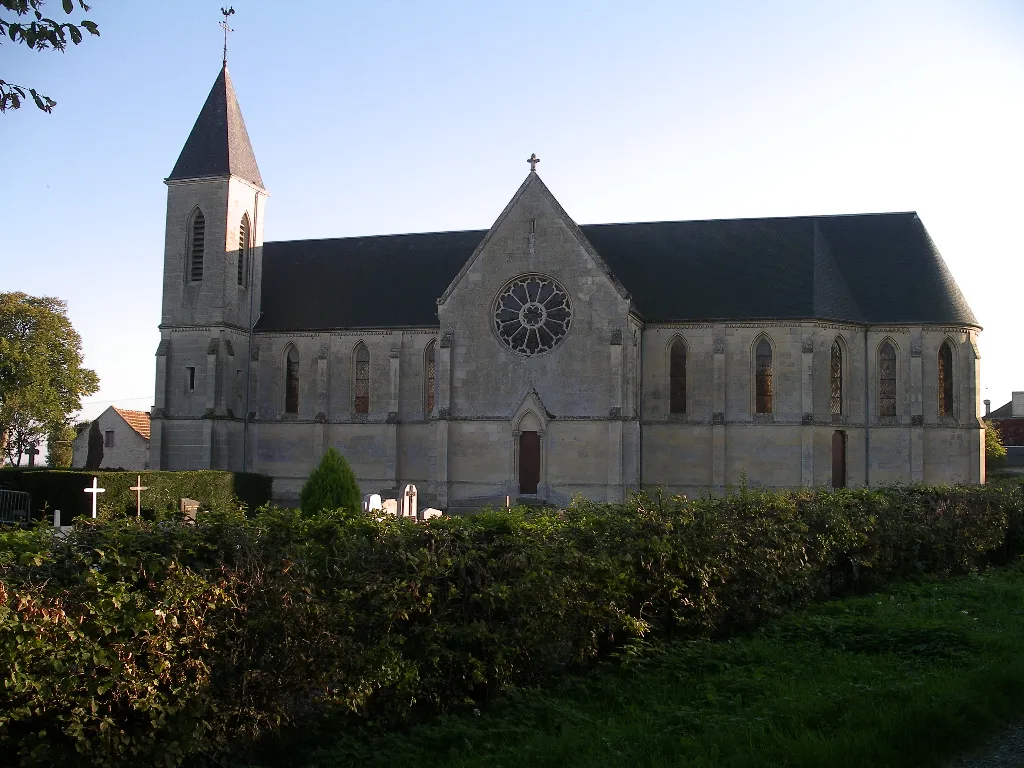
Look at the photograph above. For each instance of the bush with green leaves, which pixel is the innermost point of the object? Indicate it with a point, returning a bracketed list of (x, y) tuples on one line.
[(133, 642), (332, 485)]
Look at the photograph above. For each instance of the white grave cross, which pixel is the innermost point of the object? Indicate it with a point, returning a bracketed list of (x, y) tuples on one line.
[(409, 502), (95, 490), (138, 488)]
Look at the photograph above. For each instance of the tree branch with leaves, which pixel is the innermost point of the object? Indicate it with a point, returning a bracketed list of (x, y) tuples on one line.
[(39, 33), (42, 380)]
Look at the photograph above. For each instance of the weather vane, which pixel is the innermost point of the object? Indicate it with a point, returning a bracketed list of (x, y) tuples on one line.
[(229, 11)]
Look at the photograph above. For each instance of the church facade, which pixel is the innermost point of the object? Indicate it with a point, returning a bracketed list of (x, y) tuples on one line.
[(544, 359)]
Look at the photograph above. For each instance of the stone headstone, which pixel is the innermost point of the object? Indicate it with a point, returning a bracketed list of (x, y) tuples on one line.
[(189, 509), (390, 507), (409, 502), (373, 503), (430, 513)]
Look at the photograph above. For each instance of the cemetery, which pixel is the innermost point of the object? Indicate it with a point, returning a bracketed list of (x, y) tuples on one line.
[(193, 619)]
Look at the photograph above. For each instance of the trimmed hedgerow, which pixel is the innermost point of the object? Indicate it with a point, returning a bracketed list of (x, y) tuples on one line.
[(63, 489), (133, 642)]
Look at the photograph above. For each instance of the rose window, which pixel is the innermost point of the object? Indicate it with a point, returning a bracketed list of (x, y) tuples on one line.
[(532, 314)]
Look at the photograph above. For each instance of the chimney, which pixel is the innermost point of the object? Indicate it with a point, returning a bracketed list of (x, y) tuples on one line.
[(988, 407), (1017, 409)]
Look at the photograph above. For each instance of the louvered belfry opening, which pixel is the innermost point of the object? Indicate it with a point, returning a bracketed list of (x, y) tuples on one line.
[(677, 377), (836, 371), (362, 371), (198, 246), (945, 380), (243, 248), (763, 376), (887, 381)]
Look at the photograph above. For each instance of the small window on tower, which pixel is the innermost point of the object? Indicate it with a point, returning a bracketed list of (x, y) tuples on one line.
[(108, 439), (190, 378)]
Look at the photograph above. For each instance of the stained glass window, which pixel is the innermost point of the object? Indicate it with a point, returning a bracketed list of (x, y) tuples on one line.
[(887, 381), (429, 378), (677, 377), (836, 370), (362, 357), (532, 314), (763, 376), (945, 379), (291, 387)]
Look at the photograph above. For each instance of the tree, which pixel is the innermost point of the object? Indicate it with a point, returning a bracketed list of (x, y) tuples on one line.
[(42, 380), (59, 452), (331, 486), (39, 34), (995, 452)]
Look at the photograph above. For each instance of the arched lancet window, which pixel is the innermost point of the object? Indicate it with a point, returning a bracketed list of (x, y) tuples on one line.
[(836, 379), (291, 382), (887, 380), (197, 245), (362, 376), (677, 377), (946, 379), (243, 248), (763, 376), (428, 378)]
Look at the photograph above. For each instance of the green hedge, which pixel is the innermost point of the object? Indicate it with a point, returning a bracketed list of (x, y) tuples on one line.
[(134, 643), (52, 489)]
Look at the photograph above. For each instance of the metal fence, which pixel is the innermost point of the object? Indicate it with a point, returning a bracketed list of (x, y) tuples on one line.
[(15, 507)]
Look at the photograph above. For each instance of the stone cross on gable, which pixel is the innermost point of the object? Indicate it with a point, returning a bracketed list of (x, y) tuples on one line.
[(94, 490), (533, 160), (409, 502), (138, 488), (32, 452)]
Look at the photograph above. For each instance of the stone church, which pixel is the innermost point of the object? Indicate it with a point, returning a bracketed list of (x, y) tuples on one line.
[(543, 359)]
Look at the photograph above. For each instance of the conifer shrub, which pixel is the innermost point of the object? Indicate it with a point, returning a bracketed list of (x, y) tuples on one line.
[(332, 485)]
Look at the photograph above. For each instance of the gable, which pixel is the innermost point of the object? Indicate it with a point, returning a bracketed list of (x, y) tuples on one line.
[(533, 194)]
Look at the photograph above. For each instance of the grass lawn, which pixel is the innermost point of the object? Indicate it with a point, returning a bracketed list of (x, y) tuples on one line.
[(910, 677)]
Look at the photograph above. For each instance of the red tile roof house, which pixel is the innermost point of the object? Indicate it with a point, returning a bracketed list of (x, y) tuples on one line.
[(125, 440), (1009, 420)]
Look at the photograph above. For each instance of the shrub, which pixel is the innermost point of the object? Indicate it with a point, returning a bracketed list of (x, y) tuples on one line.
[(133, 642), (331, 486)]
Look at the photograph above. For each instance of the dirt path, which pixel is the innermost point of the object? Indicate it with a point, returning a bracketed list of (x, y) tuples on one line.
[(1004, 751)]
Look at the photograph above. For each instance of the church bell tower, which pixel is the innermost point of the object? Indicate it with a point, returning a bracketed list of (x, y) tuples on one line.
[(212, 276)]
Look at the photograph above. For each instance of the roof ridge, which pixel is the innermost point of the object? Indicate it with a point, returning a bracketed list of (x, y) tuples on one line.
[(484, 231)]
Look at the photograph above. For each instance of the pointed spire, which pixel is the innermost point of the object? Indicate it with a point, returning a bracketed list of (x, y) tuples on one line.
[(219, 144)]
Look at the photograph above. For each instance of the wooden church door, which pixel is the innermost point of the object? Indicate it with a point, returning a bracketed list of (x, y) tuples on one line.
[(529, 461), (838, 459)]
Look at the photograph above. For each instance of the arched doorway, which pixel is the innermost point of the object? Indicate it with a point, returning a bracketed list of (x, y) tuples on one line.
[(529, 454), (529, 462), (838, 459)]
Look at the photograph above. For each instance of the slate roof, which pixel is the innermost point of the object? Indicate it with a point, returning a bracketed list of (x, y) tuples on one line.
[(137, 420), (219, 144), (1003, 412), (874, 268)]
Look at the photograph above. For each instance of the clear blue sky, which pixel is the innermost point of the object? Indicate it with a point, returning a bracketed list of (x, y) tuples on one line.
[(409, 116)]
